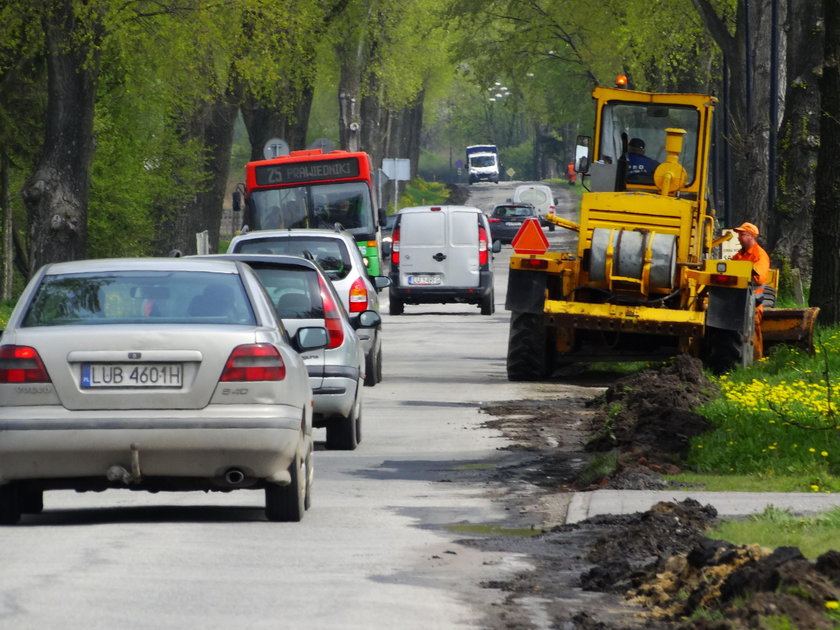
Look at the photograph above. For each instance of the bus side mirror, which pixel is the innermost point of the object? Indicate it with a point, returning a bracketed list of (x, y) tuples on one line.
[(237, 201), (383, 218)]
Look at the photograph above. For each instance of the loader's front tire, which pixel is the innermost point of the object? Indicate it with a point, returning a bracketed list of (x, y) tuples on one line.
[(724, 350), (529, 357)]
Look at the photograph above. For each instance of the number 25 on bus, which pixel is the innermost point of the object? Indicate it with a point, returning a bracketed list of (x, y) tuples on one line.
[(313, 189)]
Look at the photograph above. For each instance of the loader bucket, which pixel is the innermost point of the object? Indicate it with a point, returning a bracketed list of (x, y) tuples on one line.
[(791, 326)]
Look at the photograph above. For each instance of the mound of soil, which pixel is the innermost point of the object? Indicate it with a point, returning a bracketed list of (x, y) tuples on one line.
[(655, 569)]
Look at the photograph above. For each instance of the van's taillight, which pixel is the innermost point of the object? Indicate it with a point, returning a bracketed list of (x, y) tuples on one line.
[(395, 247), (254, 362), (332, 317), (21, 364), (358, 296), (483, 255)]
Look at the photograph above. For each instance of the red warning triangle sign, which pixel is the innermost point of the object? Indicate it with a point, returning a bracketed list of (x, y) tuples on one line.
[(530, 238)]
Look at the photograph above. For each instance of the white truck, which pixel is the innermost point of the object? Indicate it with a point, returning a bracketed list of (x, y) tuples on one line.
[(483, 163)]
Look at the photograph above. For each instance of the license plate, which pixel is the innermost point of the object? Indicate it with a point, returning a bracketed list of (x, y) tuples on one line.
[(513, 223), (159, 375), (423, 279)]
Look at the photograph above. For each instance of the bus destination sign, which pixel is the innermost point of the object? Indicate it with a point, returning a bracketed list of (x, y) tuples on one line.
[(297, 172)]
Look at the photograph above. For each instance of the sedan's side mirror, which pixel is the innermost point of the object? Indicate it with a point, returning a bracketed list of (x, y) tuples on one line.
[(366, 319), (311, 338), (380, 282)]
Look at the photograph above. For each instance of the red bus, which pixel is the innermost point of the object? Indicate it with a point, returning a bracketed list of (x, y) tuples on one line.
[(313, 189)]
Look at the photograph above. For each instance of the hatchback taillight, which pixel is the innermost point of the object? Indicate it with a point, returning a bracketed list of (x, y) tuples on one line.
[(483, 255), (395, 247), (21, 364), (332, 317), (358, 296), (254, 362)]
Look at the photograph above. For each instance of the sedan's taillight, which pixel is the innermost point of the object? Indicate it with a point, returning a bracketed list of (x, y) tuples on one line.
[(483, 255), (21, 364), (254, 362), (358, 296), (395, 247), (332, 317)]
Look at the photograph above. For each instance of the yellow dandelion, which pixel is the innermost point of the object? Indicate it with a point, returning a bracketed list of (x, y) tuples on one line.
[(815, 488), (832, 604), (824, 453), (812, 450)]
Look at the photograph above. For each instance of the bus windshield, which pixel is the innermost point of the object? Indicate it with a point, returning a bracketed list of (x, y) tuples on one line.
[(315, 206)]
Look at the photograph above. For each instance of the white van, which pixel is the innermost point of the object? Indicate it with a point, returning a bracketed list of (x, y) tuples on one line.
[(539, 196), (441, 254)]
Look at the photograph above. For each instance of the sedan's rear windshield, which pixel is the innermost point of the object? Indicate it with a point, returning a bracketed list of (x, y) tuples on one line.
[(330, 253), (296, 292), (140, 297), (513, 211)]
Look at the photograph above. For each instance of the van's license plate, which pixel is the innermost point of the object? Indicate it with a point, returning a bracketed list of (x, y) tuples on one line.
[(132, 375), (423, 279)]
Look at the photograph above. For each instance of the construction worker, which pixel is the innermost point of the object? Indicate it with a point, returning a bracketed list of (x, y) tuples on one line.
[(752, 251), (571, 174)]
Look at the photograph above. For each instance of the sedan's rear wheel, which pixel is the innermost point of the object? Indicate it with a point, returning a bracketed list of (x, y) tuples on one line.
[(379, 366), (288, 503), (309, 470), (9, 504), (373, 368), (344, 434)]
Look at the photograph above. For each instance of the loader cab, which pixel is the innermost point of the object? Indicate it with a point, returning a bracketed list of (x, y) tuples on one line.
[(626, 118)]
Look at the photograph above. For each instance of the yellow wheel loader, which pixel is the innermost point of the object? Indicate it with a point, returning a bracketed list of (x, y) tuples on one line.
[(647, 280)]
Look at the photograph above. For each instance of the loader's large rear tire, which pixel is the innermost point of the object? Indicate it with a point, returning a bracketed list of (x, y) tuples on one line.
[(769, 297), (529, 356)]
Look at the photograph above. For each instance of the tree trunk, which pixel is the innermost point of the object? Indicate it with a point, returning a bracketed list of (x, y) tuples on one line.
[(791, 218), (264, 123), (177, 228), (747, 54), (56, 194), (6, 212), (825, 287), (353, 62)]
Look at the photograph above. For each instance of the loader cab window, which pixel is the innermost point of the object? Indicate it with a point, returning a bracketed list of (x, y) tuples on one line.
[(648, 121)]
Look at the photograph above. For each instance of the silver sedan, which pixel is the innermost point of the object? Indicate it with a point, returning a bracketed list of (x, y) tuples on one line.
[(153, 374)]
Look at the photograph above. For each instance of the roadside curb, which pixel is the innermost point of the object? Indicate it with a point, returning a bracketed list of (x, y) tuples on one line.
[(728, 504)]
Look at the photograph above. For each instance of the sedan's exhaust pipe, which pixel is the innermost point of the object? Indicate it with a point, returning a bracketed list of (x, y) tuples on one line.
[(234, 476)]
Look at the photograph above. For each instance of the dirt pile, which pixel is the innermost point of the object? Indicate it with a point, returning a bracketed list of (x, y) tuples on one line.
[(656, 569), (647, 419), (661, 560)]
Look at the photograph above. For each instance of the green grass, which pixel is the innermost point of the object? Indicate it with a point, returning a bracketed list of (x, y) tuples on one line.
[(758, 482), (5, 310), (778, 420), (813, 535)]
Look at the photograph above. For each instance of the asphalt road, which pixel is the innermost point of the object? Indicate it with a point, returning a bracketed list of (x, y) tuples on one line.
[(376, 549)]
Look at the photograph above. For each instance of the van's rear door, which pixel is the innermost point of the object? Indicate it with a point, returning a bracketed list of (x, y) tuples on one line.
[(439, 248)]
